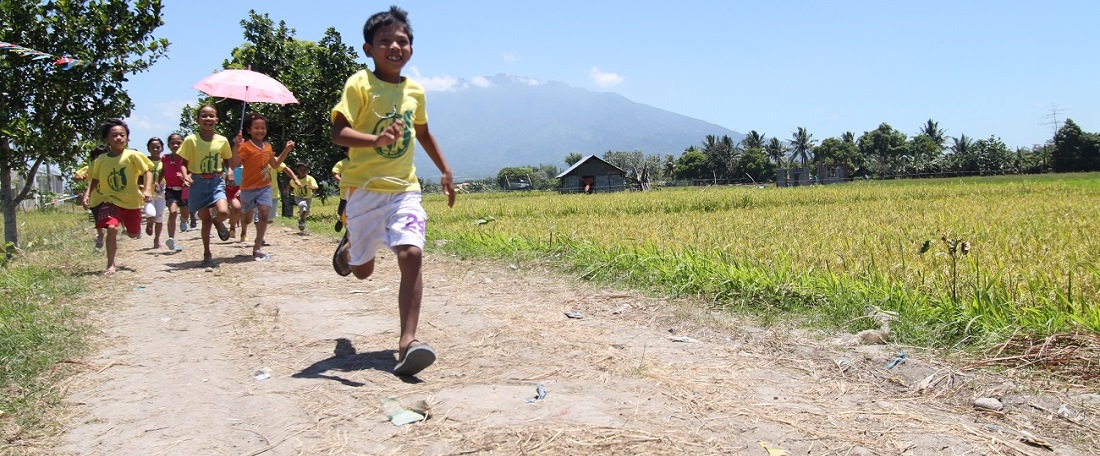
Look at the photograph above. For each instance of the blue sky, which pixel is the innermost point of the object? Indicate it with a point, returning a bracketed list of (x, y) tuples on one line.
[(979, 68)]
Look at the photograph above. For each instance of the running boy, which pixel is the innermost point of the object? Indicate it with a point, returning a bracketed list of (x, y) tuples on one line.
[(155, 146), (379, 114), (337, 172), (114, 179), (303, 187), (172, 177), (205, 157)]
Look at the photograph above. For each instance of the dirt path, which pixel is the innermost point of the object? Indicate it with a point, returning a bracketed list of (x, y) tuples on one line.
[(177, 372)]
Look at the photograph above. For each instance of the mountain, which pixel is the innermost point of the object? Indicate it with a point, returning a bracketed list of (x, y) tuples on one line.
[(511, 121)]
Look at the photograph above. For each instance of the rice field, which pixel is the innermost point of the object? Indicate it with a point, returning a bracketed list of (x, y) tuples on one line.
[(1000, 255)]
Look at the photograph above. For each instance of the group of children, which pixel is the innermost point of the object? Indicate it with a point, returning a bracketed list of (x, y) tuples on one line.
[(377, 118)]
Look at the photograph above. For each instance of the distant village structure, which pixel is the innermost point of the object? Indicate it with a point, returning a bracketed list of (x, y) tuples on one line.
[(591, 175), (797, 177), (48, 181)]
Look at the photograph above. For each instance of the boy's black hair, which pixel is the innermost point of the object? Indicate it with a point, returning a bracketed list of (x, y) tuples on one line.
[(151, 140), (395, 15), (247, 125), (107, 125), (175, 134), (99, 150)]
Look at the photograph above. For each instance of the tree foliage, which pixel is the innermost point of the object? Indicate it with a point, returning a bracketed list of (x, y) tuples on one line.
[(314, 71), (50, 115)]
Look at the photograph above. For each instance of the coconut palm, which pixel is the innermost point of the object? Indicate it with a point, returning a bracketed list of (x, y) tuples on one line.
[(802, 145), (932, 130), (775, 150), (753, 140)]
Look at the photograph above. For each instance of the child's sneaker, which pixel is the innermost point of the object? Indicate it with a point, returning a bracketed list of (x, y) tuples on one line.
[(184, 227), (171, 244), (98, 243), (301, 225)]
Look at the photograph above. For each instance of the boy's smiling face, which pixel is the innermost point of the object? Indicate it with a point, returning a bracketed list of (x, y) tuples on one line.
[(391, 49), (208, 118)]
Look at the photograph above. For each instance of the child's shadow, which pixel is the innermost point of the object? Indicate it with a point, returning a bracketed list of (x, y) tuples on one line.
[(345, 359)]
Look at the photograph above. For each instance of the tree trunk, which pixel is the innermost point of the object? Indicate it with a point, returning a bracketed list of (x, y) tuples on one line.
[(8, 205)]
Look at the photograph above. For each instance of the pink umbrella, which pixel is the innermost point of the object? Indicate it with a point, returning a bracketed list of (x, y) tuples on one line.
[(247, 86)]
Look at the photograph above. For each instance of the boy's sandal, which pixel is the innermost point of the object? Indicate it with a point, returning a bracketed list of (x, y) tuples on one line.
[(339, 261), (417, 358), (223, 235)]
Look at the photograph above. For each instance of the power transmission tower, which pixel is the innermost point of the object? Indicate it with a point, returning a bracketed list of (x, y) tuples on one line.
[(1052, 119)]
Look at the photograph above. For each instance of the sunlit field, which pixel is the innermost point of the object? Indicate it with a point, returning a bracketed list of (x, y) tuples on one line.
[(1000, 254)]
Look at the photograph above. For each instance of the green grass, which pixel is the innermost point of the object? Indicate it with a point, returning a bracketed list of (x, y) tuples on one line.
[(41, 324), (823, 255)]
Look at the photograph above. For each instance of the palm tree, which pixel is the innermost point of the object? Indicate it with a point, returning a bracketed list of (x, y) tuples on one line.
[(961, 145), (848, 137), (753, 140), (775, 150), (932, 130), (802, 144)]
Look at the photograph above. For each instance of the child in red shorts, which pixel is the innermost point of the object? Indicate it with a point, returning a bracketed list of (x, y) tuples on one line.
[(114, 179)]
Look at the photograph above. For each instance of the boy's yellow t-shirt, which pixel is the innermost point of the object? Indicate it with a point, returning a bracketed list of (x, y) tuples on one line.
[(205, 157), (275, 178), (338, 168), (370, 105), (120, 179), (306, 189)]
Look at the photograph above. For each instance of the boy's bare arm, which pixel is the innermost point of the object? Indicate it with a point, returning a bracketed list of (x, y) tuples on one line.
[(88, 191), (148, 192), (344, 135), (431, 147)]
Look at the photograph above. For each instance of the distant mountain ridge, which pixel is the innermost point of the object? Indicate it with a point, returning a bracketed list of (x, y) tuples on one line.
[(512, 121)]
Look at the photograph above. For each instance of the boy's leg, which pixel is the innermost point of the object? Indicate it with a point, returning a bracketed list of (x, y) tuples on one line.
[(112, 248), (410, 292), (204, 233), (173, 213)]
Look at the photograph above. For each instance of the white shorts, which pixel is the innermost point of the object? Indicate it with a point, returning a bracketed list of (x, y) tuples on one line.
[(158, 206), (377, 220), (303, 204)]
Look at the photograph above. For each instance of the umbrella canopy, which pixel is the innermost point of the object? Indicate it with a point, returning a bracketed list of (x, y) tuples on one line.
[(245, 85)]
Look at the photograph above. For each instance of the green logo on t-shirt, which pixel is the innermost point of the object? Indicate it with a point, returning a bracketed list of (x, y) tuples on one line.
[(116, 179), (399, 147)]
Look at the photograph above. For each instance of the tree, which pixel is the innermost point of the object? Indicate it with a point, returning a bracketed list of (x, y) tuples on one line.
[(753, 140), (1075, 150), (962, 154), (775, 150), (933, 131), (572, 158), (754, 163), (51, 115), (802, 145), (314, 71), (691, 165), (836, 151), (721, 156), (883, 147), (993, 155)]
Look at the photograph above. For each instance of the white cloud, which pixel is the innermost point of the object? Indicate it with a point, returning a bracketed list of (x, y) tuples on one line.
[(171, 109), (526, 80), (481, 82), (603, 79), (140, 122), (445, 83), (510, 57)]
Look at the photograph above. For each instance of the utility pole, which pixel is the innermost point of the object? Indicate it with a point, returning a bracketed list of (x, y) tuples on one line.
[(1052, 120)]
